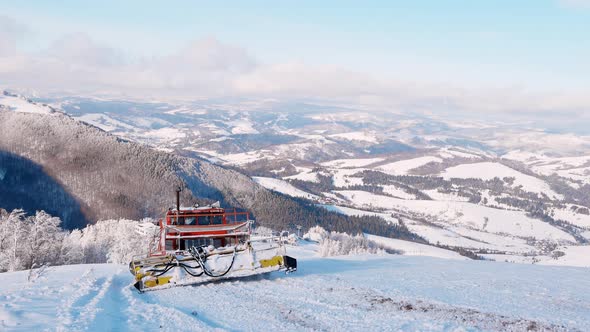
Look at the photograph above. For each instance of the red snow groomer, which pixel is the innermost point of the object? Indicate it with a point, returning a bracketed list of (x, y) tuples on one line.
[(199, 244)]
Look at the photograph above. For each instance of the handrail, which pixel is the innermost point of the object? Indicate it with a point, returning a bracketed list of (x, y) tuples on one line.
[(234, 213), (195, 228), (184, 237)]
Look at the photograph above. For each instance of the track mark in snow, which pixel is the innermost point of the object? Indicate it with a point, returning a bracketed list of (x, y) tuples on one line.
[(320, 302), (113, 305), (144, 309), (466, 316), (79, 310), (349, 293)]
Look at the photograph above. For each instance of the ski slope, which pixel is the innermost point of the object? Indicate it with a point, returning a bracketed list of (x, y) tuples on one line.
[(353, 293)]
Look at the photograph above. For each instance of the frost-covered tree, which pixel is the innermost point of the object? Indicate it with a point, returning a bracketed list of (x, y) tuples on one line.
[(337, 244), (43, 240), (131, 238), (12, 232), (28, 242), (71, 251)]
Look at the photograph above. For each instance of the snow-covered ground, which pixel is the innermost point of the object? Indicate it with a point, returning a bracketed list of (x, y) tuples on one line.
[(413, 248), (404, 166), (464, 214), (356, 212), (304, 176), (397, 192), (104, 122), (573, 168), (20, 104), (242, 127), (489, 170), (356, 293), (357, 136), (351, 163), (283, 187)]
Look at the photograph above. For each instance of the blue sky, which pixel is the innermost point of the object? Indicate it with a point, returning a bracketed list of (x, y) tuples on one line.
[(530, 45)]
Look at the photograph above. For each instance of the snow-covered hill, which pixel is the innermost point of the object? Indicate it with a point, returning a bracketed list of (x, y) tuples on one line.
[(499, 190), (56, 163), (282, 187), (353, 293), (18, 103), (490, 170)]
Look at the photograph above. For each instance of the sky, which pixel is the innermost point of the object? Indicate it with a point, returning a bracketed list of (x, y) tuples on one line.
[(484, 55)]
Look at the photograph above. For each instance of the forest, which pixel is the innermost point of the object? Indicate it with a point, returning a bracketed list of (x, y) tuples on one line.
[(82, 174)]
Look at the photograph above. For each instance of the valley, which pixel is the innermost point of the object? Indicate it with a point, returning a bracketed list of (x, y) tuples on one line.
[(461, 185)]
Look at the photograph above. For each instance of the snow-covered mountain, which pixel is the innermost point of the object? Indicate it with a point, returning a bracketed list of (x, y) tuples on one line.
[(501, 190), (428, 195), (51, 161), (463, 184)]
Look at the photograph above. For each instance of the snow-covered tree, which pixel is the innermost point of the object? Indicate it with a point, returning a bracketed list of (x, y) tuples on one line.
[(71, 251), (336, 244), (27, 242), (316, 233), (43, 240), (12, 234)]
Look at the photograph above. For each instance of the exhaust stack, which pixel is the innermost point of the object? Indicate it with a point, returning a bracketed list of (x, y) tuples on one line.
[(178, 190)]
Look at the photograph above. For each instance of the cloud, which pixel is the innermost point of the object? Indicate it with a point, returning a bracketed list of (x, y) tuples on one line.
[(77, 63), (300, 80), (11, 32), (209, 68), (80, 49), (575, 3)]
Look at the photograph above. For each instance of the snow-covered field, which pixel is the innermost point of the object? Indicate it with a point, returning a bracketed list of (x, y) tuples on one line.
[(104, 122), (356, 212), (283, 187), (489, 170), (461, 213), (20, 104), (356, 293), (413, 248), (404, 166), (357, 136), (351, 163)]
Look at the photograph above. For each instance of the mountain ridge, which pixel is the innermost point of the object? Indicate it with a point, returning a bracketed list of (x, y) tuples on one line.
[(110, 177)]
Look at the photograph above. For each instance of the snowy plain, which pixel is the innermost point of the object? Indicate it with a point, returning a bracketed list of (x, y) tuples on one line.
[(353, 293)]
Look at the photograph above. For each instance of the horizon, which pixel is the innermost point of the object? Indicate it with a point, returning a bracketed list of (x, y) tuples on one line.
[(505, 58)]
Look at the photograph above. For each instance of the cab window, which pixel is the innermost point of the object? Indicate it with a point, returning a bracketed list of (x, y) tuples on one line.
[(204, 220), (217, 220)]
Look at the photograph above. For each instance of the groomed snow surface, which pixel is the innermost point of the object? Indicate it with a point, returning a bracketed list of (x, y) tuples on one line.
[(352, 293)]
